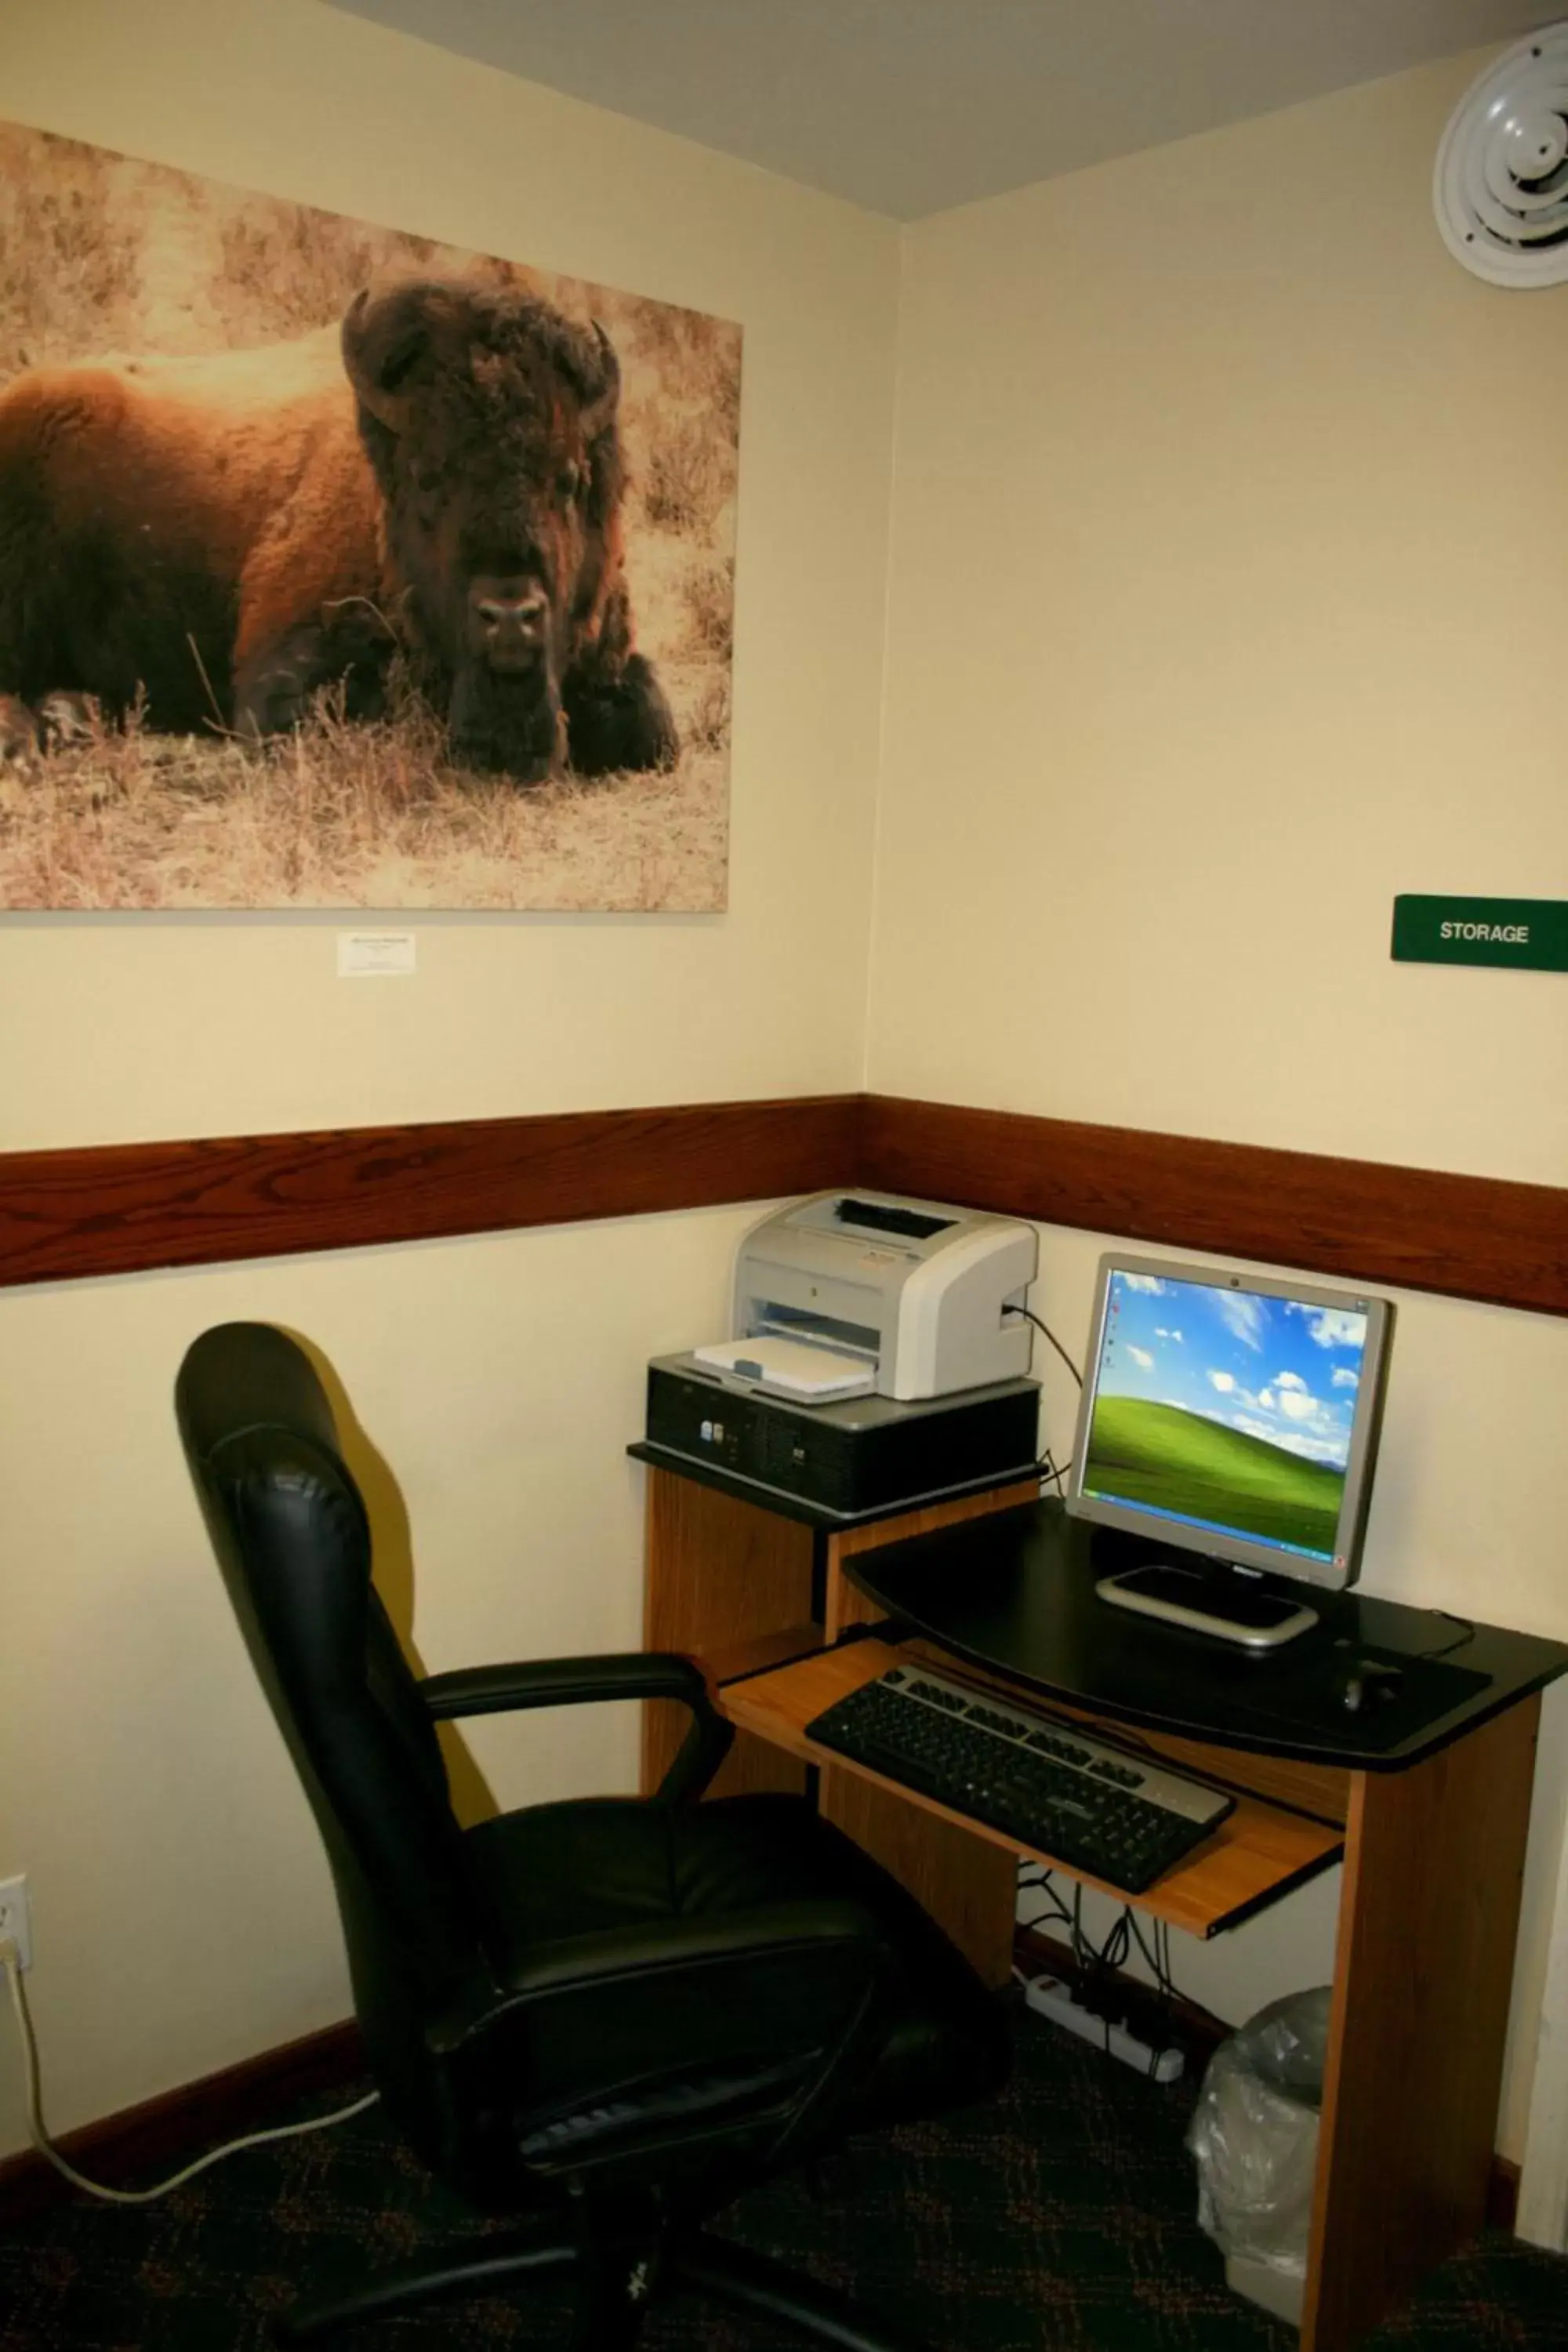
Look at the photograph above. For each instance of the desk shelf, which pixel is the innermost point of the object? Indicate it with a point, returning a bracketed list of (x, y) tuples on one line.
[(1258, 1854)]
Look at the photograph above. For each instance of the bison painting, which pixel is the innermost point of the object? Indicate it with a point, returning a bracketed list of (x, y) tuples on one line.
[(214, 540), (341, 566)]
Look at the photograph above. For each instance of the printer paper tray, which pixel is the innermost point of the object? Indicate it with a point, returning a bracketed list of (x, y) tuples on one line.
[(790, 1368)]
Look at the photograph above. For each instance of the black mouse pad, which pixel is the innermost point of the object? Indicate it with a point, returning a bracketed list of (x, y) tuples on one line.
[(1428, 1689)]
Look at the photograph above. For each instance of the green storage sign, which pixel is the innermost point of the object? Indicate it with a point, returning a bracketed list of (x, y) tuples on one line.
[(1531, 933)]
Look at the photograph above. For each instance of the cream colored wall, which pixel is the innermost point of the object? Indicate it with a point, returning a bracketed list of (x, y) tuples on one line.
[(136, 1028), (1226, 601), (181, 1912), (183, 1915)]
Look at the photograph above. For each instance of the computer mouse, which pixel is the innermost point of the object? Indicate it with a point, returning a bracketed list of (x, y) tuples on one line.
[(1368, 1683)]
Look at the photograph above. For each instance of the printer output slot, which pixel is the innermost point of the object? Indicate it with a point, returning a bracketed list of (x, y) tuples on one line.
[(814, 1331)]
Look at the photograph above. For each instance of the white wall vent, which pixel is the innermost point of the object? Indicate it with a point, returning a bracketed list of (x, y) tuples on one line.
[(1500, 187)]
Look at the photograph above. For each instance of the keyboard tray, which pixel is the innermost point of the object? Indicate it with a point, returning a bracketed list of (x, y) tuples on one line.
[(1260, 1853), (1123, 1816)]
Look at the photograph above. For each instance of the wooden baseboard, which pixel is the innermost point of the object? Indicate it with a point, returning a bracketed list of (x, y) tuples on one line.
[(1200, 2034), (140, 2144), (1503, 2195)]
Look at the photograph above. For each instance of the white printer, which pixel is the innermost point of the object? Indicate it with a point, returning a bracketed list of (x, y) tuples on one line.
[(853, 1292)]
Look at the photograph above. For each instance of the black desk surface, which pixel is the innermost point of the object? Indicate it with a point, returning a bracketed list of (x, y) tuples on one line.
[(1015, 1592)]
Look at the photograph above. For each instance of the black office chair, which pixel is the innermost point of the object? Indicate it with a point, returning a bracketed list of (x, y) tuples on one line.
[(609, 2016)]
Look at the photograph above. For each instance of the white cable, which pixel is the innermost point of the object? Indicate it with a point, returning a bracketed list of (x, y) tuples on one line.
[(10, 1960)]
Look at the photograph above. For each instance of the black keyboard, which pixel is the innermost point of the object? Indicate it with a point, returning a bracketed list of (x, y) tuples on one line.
[(1104, 1810)]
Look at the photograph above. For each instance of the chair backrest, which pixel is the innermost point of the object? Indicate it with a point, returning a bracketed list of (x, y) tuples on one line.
[(293, 1541)]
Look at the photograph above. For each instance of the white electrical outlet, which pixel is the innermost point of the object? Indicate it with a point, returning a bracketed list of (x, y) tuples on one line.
[(14, 1920)]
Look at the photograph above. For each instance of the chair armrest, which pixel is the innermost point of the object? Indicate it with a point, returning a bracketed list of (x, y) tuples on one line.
[(572, 1681), (563, 1682)]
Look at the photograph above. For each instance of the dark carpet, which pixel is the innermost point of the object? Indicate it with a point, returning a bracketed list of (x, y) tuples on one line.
[(1058, 2220)]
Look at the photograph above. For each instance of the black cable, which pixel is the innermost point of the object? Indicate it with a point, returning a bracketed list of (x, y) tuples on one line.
[(1091, 1987), (1163, 1945), (1170, 1979), (1460, 1640), (1036, 1875), (1163, 1984), (1049, 1468), (1168, 1994), (1059, 1916), (1040, 1877), (1158, 1961), (1162, 1990), (1112, 1958), (1031, 1317), (1096, 1963)]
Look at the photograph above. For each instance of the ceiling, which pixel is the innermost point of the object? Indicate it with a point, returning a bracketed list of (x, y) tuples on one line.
[(909, 106)]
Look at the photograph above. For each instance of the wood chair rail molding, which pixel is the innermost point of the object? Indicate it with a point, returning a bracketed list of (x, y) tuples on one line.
[(1479, 1237), (69, 1215), (128, 1207)]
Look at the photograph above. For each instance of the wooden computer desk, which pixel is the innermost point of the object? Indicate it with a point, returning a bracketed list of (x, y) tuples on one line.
[(1429, 1821)]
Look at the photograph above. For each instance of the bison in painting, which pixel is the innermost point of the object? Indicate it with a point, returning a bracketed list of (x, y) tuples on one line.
[(441, 475)]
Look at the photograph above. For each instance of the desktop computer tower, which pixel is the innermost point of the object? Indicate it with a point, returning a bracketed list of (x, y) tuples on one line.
[(860, 1455)]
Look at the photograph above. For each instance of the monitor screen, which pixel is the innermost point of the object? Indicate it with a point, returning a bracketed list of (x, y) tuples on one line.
[(1231, 1415)]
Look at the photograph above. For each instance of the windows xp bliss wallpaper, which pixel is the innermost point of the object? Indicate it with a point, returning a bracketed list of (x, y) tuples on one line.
[(1225, 1408)]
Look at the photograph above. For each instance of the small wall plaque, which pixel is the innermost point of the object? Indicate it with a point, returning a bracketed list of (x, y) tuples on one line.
[(375, 955), (1531, 933)]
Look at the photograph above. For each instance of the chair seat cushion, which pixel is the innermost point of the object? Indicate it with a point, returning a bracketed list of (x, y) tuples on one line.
[(556, 1872)]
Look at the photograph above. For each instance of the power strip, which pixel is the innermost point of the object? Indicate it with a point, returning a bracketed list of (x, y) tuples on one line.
[(1052, 1999)]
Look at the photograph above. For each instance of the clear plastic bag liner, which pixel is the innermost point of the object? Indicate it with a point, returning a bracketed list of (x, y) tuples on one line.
[(1255, 2133)]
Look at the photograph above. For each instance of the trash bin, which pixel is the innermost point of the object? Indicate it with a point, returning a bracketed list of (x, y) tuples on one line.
[(1255, 2135)]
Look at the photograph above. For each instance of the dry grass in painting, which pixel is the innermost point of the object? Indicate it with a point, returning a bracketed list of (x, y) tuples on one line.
[(101, 254), (340, 815)]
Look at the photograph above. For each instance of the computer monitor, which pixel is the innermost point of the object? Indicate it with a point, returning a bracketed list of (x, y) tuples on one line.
[(1234, 1418)]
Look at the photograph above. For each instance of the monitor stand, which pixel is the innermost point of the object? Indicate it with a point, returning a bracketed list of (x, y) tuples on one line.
[(1207, 1596)]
